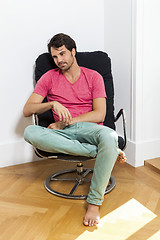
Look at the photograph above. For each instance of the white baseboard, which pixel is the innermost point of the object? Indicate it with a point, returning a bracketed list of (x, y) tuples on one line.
[(137, 153), (16, 153)]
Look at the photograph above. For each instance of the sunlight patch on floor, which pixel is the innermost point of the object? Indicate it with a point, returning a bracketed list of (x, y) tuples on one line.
[(155, 236), (120, 223)]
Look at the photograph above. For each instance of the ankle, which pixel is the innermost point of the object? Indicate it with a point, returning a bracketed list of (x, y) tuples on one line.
[(92, 206)]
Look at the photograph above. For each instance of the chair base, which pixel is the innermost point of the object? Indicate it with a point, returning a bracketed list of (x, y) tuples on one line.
[(81, 174)]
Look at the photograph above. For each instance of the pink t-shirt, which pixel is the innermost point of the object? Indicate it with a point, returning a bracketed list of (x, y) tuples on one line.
[(77, 97)]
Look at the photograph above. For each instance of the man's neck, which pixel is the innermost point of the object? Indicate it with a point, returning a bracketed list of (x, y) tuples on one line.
[(73, 73)]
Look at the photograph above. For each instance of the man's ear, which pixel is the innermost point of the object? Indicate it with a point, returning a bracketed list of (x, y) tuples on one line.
[(73, 52)]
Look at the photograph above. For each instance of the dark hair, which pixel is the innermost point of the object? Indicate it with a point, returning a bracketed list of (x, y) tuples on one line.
[(61, 39)]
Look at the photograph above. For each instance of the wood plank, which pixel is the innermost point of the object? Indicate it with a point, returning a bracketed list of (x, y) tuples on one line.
[(154, 164), (28, 211)]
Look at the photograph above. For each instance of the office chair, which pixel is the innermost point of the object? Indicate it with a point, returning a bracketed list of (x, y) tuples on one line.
[(100, 62)]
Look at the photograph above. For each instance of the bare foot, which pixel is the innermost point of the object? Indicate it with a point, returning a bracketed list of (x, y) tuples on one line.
[(121, 157), (92, 216)]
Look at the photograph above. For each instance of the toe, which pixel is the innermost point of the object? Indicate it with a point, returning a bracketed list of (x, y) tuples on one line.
[(91, 222), (85, 222)]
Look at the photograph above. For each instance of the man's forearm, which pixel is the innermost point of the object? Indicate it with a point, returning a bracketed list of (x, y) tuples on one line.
[(92, 116), (97, 115), (31, 108)]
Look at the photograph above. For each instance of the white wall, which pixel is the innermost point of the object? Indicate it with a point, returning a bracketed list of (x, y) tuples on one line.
[(132, 39), (145, 137), (151, 76), (118, 31), (26, 27), (118, 44)]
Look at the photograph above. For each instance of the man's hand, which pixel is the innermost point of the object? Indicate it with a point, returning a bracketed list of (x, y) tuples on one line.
[(57, 125), (63, 112)]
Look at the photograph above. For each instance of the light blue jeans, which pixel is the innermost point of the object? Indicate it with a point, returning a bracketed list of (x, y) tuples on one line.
[(81, 139)]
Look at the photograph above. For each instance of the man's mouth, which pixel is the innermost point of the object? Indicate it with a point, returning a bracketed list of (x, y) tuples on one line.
[(61, 64)]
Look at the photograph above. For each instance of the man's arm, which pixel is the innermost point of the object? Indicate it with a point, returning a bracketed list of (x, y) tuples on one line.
[(97, 115), (35, 105)]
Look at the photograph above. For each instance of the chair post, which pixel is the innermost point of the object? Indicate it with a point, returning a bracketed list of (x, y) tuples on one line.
[(80, 169)]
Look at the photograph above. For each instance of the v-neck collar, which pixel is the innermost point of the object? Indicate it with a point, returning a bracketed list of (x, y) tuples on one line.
[(75, 81)]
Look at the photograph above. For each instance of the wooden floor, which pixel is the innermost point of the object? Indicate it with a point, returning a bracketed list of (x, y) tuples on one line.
[(154, 164), (28, 212)]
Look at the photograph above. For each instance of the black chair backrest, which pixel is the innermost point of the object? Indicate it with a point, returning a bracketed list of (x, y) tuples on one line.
[(98, 61)]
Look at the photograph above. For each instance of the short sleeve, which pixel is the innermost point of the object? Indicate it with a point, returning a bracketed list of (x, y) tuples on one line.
[(42, 85), (98, 88)]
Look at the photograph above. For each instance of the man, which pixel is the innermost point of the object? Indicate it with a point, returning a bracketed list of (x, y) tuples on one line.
[(77, 98)]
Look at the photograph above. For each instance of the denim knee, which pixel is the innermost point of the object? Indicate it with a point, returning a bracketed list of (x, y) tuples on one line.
[(28, 132), (109, 137)]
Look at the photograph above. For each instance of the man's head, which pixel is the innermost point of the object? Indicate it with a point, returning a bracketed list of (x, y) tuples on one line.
[(61, 39), (63, 50)]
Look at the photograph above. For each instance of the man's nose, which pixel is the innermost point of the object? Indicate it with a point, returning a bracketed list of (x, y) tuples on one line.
[(60, 58)]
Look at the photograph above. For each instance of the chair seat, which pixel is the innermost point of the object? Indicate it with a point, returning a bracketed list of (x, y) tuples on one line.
[(43, 154)]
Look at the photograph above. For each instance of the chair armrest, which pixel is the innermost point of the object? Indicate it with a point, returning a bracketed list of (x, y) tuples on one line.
[(122, 113), (34, 119)]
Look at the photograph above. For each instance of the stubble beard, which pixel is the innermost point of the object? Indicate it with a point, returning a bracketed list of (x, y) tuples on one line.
[(67, 67)]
